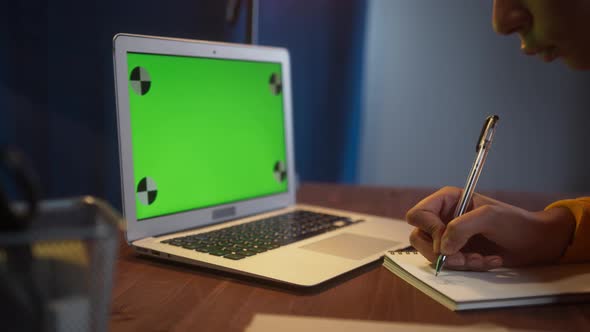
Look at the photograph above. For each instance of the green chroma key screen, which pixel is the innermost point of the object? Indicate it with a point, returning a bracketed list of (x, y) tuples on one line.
[(204, 132)]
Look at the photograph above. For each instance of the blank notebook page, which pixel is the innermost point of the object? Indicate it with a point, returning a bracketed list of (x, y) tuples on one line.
[(497, 284)]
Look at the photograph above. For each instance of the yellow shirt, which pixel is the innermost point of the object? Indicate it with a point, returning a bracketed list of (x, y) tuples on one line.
[(579, 248)]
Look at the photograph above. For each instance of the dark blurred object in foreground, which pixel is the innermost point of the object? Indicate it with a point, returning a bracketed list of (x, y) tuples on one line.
[(56, 257)]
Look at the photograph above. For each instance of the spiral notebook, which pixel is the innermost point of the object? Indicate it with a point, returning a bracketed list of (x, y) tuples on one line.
[(459, 290)]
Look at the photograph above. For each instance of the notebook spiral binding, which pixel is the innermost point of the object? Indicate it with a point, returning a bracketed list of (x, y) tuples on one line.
[(407, 251)]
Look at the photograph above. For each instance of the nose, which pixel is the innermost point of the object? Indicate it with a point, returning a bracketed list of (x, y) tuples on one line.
[(509, 16)]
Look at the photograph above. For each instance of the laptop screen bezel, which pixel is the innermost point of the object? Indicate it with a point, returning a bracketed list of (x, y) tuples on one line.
[(199, 217)]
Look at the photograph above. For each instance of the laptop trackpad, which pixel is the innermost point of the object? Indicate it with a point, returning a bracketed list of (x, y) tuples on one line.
[(351, 246)]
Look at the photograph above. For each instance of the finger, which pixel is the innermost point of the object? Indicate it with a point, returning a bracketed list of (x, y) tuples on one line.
[(456, 261), (441, 203), (478, 262), (423, 243), (493, 262), (426, 215), (430, 225), (482, 220), (473, 262)]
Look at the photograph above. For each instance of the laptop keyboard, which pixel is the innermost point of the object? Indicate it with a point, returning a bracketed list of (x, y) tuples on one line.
[(249, 239)]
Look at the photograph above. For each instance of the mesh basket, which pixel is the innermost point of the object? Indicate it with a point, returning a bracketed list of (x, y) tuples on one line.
[(57, 275)]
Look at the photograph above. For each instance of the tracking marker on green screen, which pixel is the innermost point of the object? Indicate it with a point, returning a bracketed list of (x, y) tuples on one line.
[(275, 84), (147, 191), (140, 80), (280, 171)]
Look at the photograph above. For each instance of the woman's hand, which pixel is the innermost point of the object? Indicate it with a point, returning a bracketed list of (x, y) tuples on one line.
[(492, 234)]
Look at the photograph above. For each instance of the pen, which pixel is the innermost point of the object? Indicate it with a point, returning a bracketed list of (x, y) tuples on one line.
[(482, 148)]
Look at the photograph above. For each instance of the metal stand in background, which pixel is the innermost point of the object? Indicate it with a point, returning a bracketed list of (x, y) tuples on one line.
[(232, 12)]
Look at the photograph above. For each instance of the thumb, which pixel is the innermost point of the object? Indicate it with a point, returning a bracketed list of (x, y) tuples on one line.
[(428, 214), (429, 223), (462, 228)]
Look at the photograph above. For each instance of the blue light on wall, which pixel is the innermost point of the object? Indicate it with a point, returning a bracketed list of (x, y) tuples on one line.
[(325, 39)]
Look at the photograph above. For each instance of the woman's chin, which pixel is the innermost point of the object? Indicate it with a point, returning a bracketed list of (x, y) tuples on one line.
[(577, 63)]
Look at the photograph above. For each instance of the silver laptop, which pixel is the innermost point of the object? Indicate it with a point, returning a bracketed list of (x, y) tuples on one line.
[(208, 167)]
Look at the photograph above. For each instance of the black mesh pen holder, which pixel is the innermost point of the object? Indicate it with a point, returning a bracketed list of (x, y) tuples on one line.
[(56, 274)]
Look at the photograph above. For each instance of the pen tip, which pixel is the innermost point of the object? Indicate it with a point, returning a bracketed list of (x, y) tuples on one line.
[(436, 273)]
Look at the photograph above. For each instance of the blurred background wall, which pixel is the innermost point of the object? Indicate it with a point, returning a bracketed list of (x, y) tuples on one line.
[(434, 70), (385, 92)]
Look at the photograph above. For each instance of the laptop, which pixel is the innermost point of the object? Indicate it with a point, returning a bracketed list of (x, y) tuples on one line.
[(207, 164)]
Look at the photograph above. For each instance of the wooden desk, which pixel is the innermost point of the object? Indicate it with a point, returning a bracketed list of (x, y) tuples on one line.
[(150, 295)]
